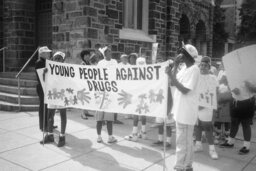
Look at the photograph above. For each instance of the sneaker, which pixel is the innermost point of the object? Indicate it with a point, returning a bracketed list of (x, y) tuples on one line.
[(112, 140), (168, 145), (213, 154), (198, 148), (143, 135), (47, 139), (132, 137), (83, 116), (158, 143), (243, 151), (118, 122), (99, 140), (226, 145), (88, 115), (62, 141), (155, 125)]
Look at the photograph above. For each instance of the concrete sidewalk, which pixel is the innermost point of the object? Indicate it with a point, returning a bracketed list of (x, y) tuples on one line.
[(20, 148)]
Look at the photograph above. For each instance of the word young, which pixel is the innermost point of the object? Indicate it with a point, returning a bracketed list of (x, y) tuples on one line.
[(61, 70), (138, 73)]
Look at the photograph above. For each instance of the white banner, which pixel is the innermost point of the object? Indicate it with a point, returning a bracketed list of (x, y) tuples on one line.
[(240, 66), (207, 87), (140, 90)]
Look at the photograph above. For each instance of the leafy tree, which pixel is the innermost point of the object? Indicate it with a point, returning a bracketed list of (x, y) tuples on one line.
[(219, 34), (247, 29)]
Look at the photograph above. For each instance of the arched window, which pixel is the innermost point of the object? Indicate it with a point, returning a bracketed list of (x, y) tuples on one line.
[(184, 29)]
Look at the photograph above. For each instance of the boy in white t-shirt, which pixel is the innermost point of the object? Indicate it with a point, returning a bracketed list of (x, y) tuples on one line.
[(207, 83), (185, 104), (106, 116)]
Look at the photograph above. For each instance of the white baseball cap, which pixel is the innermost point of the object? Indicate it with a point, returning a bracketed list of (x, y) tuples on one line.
[(191, 50), (123, 56), (60, 53), (141, 61), (44, 49)]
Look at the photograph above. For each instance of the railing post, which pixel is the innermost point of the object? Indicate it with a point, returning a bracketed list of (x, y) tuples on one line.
[(19, 94)]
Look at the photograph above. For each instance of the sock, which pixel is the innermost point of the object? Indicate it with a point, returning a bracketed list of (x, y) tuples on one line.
[(160, 137), (211, 147), (62, 135), (231, 140), (49, 133), (143, 128), (110, 136), (99, 136), (247, 144), (199, 143), (169, 140), (135, 130)]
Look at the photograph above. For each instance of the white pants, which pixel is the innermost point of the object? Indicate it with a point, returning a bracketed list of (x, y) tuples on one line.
[(184, 146)]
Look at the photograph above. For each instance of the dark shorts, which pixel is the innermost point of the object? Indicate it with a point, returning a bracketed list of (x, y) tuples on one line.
[(243, 109)]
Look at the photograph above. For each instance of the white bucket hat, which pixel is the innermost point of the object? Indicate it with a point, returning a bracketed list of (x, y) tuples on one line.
[(59, 53), (44, 49)]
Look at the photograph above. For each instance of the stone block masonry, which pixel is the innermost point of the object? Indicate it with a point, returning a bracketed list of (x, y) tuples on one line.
[(18, 24)]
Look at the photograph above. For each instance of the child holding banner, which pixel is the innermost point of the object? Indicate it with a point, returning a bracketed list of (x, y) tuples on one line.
[(135, 133), (185, 104), (105, 116), (85, 56), (49, 138), (207, 85)]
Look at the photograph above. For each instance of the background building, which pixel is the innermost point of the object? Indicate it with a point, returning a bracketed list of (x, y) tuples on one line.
[(232, 22), (126, 25)]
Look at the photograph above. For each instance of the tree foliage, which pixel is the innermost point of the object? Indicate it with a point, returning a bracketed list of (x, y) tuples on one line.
[(247, 29)]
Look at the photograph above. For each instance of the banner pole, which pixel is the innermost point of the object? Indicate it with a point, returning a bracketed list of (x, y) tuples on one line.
[(43, 123), (164, 141)]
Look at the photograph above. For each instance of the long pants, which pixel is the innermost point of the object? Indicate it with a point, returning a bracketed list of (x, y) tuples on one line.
[(246, 125), (43, 119), (109, 127), (63, 118), (136, 120), (184, 146), (208, 128), (168, 130)]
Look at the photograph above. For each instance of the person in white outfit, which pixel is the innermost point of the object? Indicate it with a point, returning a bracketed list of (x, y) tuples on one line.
[(185, 104), (106, 116), (207, 83)]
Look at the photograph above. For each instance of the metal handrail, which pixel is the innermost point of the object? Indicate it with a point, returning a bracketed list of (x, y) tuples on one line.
[(24, 66), (3, 49), (18, 75)]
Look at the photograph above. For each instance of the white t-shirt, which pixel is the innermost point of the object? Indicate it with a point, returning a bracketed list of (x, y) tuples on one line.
[(105, 63), (207, 83), (185, 106)]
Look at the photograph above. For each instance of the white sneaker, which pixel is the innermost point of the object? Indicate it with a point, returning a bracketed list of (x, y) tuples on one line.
[(198, 148), (99, 140), (213, 154), (132, 137), (112, 140)]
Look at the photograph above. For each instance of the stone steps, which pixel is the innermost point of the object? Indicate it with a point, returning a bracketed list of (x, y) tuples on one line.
[(13, 98), (25, 75), (14, 90), (14, 82), (6, 106), (9, 92)]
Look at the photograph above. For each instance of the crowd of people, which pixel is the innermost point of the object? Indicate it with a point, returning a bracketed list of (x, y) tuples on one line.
[(193, 123)]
